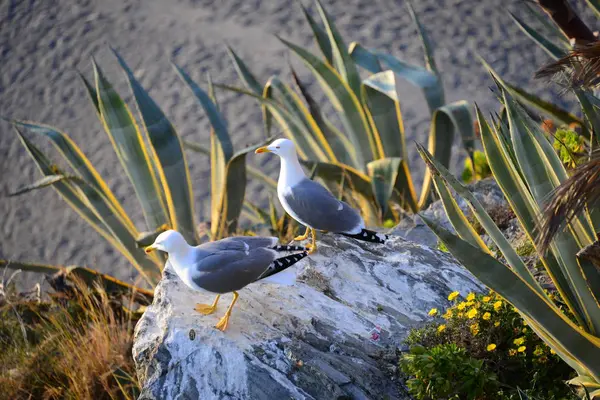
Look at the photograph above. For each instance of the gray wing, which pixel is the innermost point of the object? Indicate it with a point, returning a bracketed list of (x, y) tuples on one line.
[(253, 242), (316, 207), (227, 265)]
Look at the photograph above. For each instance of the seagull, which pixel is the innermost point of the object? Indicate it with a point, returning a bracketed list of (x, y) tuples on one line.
[(311, 204), (227, 265)]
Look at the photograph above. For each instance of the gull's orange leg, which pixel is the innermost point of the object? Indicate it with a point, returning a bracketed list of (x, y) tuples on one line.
[(223, 322), (305, 236)]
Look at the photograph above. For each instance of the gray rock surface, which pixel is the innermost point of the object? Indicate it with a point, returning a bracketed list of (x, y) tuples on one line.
[(308, 341)]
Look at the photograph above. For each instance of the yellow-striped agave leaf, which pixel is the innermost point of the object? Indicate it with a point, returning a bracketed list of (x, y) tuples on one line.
[(79, 162), (92, 206), (553, 50), (383, 174), (446, 121), (580, 345), (234, 191), (168, 158), (320, 36), (90, 277), (342, 61), (449, 181), (344, 100), (128, 143)]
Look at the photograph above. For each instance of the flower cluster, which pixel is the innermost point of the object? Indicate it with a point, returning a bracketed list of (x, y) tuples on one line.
[(492, 325)]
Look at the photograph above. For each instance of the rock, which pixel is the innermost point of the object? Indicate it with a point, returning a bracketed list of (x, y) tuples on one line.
[(334, 335), (486, 191)]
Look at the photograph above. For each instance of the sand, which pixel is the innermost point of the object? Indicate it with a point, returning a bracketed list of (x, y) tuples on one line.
[(44, 42)]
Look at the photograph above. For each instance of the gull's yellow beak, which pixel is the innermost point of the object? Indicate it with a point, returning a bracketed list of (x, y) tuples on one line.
[(262, 150), (150, 249)]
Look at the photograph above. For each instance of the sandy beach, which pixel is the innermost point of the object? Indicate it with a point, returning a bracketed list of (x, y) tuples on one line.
[(43, 43)]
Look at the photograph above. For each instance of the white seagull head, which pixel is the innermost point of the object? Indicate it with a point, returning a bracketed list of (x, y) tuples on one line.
[(284, 148), (169, 241)]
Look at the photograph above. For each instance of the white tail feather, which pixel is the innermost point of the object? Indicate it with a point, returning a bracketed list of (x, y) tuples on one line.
[(286, 277)]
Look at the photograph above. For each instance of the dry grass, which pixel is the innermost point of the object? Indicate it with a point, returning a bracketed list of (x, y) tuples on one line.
[(75, 347)]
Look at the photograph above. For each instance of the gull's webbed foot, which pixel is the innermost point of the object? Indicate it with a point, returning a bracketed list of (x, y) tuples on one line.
[(223, 322), (304, 236), (206, 309)]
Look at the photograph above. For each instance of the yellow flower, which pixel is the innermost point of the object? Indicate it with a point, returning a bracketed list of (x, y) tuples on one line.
[(519, 341), (433, 312), (469, 303), (487, 316), (471, 297), (460, 315), (461, 306), (552, 351), (524, 322), (453, 295), (543, 359), (486, 299), (474, 329), (491, 347), (512, 352), (524, 330), (497, 305), (538, 351), (497, 323), (521, 349), (472, 313), (448, 314), (441, 328)]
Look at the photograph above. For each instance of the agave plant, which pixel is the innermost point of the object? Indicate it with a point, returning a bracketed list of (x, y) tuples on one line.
[(368, 154), (527, 169), (154, 160)]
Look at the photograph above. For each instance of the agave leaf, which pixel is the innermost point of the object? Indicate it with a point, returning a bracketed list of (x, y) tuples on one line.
[(383, 174), (43, 182), (267, 93), (312, 141), (484, 219), (582, 346), (252, 171), (595, 5), (130, 148), (339, 143), (457, 218), (379, 93), (553, 50), (87, 275), (344, 101), (517, 194), (93, 207), (342, 61), (91, 91), (79, 162), (216, 119), (168, 159), (234, 190), (549, 25), (321, 37), (364, 58), (541, 179), (244, 73), (589, 106), (427, 46), (451, 118), (422, 78), (543, 106)]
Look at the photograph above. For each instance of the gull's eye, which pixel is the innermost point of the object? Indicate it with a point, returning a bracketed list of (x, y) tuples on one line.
[(277, 147)]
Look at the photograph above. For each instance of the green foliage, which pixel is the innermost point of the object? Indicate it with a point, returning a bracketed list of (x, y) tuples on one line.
[(153, 159), (527, 169), (569, 145), (369, 151), (482, 168), (493, 333), (446, 371)]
